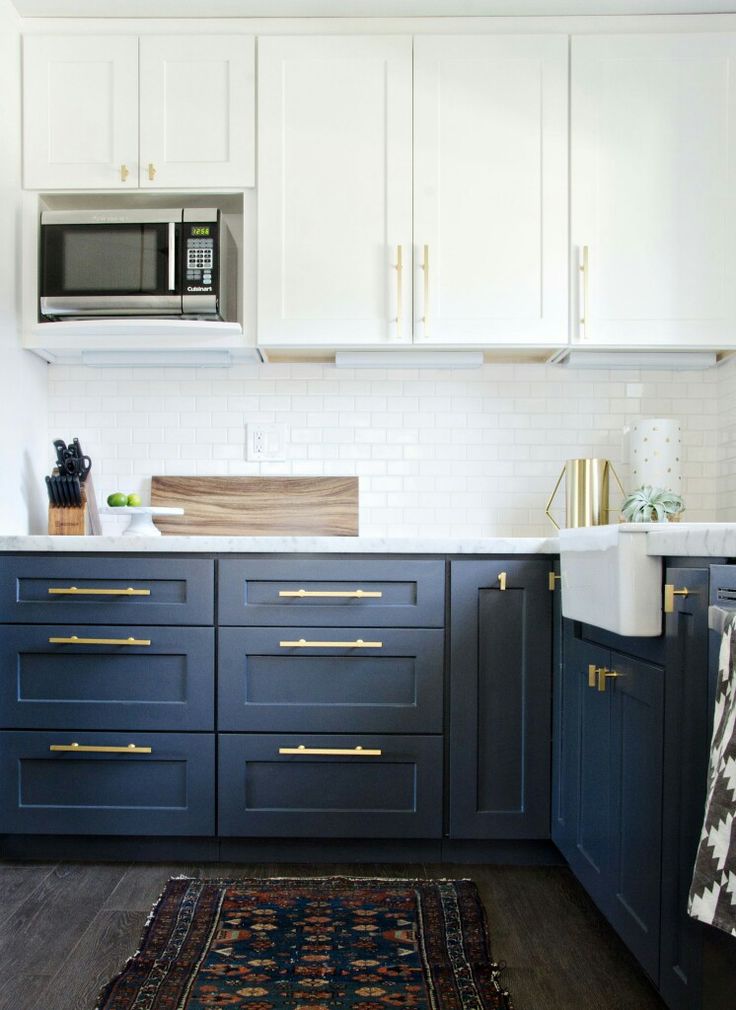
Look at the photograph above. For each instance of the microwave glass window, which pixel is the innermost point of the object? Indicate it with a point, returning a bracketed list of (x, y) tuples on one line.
[(124, 260)]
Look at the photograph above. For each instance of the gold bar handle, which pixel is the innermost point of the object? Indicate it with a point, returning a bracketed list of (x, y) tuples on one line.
[(502, 581), (592, 674), (425, 268), (151, 171), (399, 289), (357, 644), (78, 748), (585, 275), (124, 173), (604, 674), (75, 640), (353, 594), (669, 597), (74, 591), (552, 578), (301, 751)]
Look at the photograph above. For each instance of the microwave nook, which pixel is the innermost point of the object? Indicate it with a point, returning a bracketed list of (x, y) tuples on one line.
[(130, 262)]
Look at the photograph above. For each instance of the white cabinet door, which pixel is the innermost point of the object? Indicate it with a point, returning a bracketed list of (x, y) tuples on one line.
[(80, 112), (197, 111), (490, 189), (334, 190), (653, 184)]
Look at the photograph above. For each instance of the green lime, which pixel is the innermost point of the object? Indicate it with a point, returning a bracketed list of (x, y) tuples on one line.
[(117, 500), (134, 499)]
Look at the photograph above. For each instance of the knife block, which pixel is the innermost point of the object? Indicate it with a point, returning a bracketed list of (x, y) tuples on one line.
[(76, 520)]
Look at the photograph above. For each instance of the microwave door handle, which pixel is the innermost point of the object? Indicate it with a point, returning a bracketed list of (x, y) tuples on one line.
[(172, 256)]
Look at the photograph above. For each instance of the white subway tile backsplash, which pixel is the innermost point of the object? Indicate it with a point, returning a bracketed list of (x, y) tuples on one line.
[(438, 453)]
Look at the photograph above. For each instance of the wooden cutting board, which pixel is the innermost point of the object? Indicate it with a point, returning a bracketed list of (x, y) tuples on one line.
[(258, 506)]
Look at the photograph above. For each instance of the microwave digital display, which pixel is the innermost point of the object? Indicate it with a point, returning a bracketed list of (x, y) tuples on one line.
[(200, 230)]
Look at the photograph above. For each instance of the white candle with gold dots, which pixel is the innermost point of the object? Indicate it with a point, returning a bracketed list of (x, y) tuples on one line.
[(655, 453)]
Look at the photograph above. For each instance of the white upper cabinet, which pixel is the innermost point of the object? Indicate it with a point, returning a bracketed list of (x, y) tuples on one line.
[(197, 109), (92, 121), (490, 189), (334, 190), (653, 186), (80, 111)]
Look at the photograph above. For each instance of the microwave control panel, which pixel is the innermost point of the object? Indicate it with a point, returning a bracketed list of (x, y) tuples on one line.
[(200, 263)]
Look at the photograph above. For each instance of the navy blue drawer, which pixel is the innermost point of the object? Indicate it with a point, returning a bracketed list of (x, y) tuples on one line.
[(392, 684), (94, 590), (263, 792), (376, 594), (167, 792), (45, 683)]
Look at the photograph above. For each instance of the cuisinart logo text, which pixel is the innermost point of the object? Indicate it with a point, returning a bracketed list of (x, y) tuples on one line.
[(194, 290)]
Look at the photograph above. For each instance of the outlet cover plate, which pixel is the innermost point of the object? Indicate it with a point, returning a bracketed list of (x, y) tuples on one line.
[(265, 442)]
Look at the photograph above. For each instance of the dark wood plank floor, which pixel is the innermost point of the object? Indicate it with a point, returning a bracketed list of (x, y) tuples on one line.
[(66, 928)]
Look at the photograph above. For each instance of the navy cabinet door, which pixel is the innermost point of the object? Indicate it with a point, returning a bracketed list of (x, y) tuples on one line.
[(500, 689), (94, 590), (167, 792), (332, 593), (637, 698), (394, 684), (582, 827), (263, 791), (686, 739), (52, 677)]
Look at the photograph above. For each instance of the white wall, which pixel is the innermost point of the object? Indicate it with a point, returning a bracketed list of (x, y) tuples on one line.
[(471, 453), (727, 442), (22, 375)]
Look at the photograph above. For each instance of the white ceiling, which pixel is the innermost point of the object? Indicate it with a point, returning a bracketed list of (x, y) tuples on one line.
[(361, 8)]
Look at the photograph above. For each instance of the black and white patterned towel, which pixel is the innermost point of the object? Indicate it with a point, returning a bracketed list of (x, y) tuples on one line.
[(713, 889)]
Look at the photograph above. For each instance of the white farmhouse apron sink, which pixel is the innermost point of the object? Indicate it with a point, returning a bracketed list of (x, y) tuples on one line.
[(609, 580)]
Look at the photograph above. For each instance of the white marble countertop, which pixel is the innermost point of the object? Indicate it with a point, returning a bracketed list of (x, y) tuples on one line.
[(695, 540), (663, 539), (286, 545)]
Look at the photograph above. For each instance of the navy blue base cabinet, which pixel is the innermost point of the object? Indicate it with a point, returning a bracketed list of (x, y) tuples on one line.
[(609, 821), (163, 787), (500, 699), (330, 786), (629, 784)]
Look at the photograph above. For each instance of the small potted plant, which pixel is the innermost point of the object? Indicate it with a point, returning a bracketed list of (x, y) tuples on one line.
[(652, 505)]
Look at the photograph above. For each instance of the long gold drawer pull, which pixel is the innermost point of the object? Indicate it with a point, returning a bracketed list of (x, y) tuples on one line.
[(357, 644), (75, 640), (79, 748), (73, 591), (352, 594), (330, 751), (502, 576)]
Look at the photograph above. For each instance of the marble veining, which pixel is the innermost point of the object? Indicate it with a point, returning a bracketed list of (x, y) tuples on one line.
[(286, 545)]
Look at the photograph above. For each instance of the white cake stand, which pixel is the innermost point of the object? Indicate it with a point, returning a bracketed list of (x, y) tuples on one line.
[(141, 518)]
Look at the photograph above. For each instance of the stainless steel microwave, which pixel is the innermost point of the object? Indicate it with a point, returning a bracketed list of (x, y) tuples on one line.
[(132, 263)]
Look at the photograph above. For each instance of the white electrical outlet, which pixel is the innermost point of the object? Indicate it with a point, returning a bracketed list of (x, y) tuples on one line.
[(265, 442)]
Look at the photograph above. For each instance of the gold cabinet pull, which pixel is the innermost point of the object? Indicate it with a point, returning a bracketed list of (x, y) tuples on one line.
[(592, 674), (584, 278), (604, 674), (669, 597), (302, 751), (73, 591), (357, 644), (551, 579), (502, 581), (78, 748), (352, 594), (75, 640), (151, 171), (425, 268), (124, 173)]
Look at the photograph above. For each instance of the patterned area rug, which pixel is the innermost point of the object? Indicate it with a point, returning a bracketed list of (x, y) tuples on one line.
[(331, 943)]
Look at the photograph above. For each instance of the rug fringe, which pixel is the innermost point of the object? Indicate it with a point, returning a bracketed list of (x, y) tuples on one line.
[(107, 988)]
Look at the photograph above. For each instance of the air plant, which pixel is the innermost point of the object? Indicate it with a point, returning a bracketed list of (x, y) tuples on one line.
[(651, 505)]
